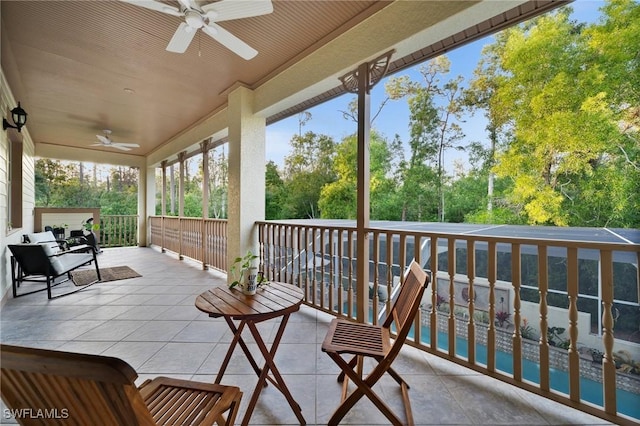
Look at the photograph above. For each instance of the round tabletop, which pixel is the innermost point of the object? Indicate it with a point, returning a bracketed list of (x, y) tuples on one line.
[(272, 300)]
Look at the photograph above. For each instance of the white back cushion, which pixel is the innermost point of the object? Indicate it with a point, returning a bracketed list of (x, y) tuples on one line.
[(47, 240)]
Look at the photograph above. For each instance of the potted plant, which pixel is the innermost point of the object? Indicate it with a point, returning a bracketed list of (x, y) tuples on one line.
[(244, 273)]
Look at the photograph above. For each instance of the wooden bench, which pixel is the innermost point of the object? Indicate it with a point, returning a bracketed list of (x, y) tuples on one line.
[(42, 260), (82, 389)]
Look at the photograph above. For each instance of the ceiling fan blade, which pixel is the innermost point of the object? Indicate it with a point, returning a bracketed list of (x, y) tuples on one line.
[(230, 41), (131, 145), (97, 144), (155, 5), (188, 4), (181, 39), (120, 147), (104, 139), (226, 10)]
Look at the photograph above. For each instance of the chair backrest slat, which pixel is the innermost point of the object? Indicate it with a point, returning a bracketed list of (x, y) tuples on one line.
[(80, 388), (407, 303)]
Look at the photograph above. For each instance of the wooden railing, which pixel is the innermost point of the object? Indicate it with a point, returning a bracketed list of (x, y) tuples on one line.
[(546, 305), (118, 230), (204, 240), (525, 311)]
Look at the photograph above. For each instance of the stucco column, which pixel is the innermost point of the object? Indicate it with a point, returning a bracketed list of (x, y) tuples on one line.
[(146, 202), (181, 157), (246, 192), (163, 195), (204, 148), (163, 198)]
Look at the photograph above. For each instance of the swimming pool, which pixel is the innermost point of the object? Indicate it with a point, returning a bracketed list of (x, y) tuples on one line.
[(590, 390)]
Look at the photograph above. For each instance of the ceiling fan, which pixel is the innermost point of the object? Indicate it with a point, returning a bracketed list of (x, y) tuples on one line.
[(107, 142), (205, 18)]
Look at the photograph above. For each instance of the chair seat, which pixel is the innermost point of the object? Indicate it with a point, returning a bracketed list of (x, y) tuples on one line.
[(167, 398), (356, 338)]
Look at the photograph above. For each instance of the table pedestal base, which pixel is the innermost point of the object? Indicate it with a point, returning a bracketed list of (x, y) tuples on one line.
[(263, 373)]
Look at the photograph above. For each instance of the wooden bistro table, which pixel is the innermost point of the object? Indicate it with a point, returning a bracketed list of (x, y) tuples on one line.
[(272, 300)]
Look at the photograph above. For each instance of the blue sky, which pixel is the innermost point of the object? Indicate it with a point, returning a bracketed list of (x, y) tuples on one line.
[(327, 118)]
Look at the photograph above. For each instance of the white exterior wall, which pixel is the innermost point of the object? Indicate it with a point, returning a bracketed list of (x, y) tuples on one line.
[(13, 235)]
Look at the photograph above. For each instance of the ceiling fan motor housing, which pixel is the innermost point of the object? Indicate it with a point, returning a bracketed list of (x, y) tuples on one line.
[(194, 19)]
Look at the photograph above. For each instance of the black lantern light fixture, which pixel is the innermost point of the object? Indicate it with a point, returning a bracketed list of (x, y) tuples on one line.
[(19, 117)]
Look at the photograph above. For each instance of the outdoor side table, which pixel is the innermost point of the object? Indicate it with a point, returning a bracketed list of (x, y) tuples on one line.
[(272, 300)]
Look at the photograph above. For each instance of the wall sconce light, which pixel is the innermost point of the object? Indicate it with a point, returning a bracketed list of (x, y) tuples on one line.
[(19, 117)]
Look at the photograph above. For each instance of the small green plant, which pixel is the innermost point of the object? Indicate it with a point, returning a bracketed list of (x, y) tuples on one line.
[(242, 268), (444, 308), (481, 317), (91, 226), (527, 332), (554, 337)]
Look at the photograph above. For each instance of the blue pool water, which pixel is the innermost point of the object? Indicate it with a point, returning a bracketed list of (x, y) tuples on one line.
[(591, 391)]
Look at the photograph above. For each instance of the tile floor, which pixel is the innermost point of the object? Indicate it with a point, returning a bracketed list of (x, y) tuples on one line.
[(151, 323)]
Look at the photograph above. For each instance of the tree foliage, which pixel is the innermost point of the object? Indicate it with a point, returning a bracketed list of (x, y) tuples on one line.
[(559, 88), (67, 184)]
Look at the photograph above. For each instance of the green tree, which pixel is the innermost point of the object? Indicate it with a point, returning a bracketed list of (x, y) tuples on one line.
[(433, 128), (307, 169), (274, 192), (571, 113), (218, 183), (338, 199), (49, 175)]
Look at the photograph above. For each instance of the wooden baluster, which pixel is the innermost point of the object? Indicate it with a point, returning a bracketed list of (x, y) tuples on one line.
[(350, 273), (574, 357), (491, 332), (375, 277), (340, 272), (451, 267), (332, 275), (434, 293), (471, 328), (543, 287), (608, 364), (417, 255), (389, 260), (517, 336)]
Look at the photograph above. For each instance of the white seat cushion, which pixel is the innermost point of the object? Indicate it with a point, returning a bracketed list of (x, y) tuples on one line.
[(68, 261)]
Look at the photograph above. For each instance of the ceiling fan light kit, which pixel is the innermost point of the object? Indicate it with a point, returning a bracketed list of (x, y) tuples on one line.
[(205, 18)]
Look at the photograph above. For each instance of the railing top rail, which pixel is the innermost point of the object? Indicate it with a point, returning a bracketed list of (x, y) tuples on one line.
[(209, 219), (465, 233)]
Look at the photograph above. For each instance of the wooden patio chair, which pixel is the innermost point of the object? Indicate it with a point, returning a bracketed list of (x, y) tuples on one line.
[(52, 387), (374, 341)]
